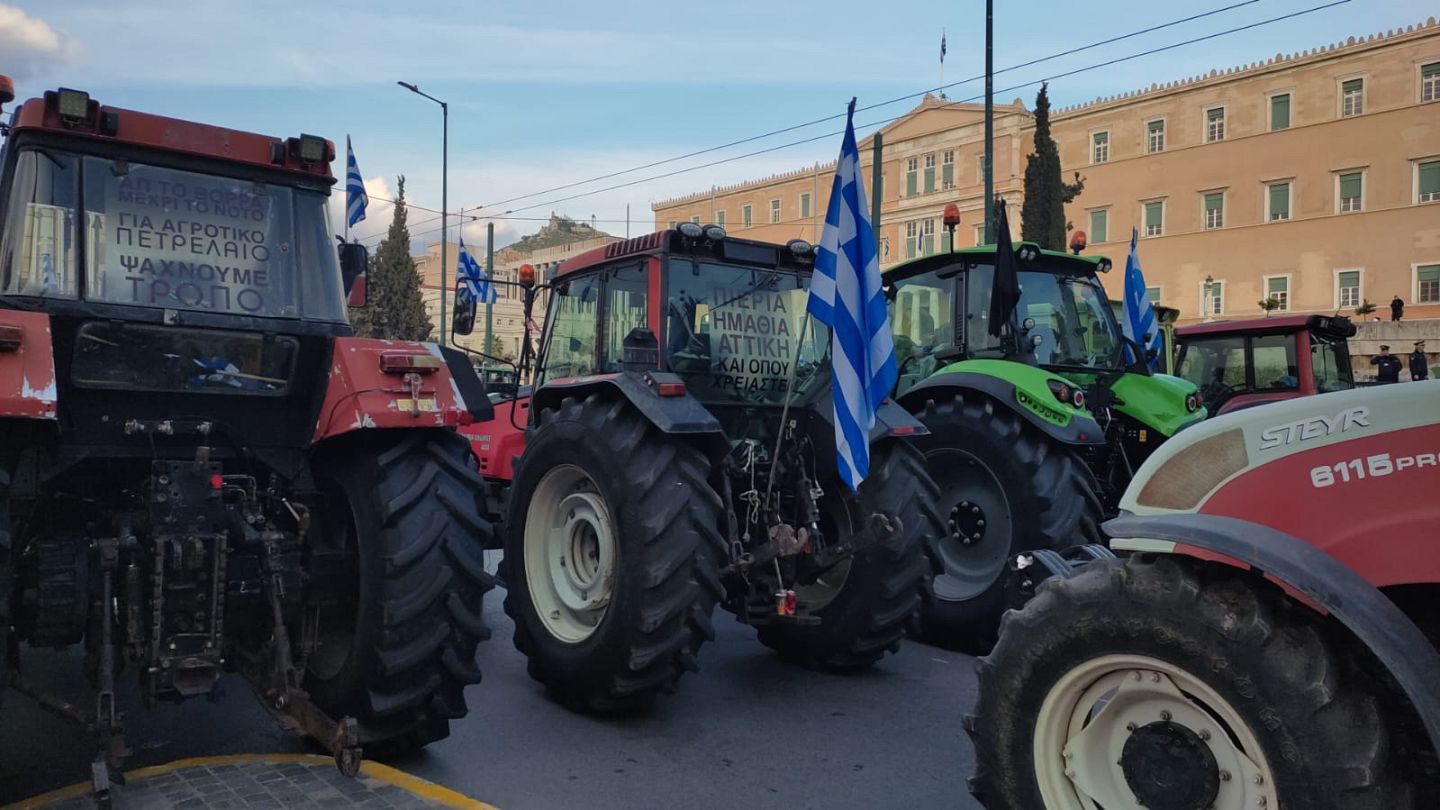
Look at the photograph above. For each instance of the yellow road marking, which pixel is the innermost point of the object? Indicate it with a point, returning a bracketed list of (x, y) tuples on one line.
[(383, 773)]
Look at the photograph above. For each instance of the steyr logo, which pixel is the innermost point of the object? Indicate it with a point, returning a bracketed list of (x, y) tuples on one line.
[(1315, 427)]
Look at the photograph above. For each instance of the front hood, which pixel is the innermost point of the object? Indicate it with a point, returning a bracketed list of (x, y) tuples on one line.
[(1156, 401)]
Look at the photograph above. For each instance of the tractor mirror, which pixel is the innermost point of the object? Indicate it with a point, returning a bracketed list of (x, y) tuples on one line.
[(462, 319), (354, 262)]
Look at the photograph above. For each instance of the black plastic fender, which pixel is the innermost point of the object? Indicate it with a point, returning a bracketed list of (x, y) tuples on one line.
[(1395, 640), (1081, 430), (468, 384), (890, 418), (681, 414)]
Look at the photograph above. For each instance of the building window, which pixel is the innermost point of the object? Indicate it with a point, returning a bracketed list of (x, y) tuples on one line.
[(1277, 202), (1152, 294), (695, 219), (927, 237), (980, 168), (1279, 111), (672, 224), (1278, 287), (947, 170), (1155, 136), (1427, 181), (1100, 147), (1155, 218), (720, 217), (805, 205), (1347, 289), (1352, 97), (746, 216), (912, 170), (912, 239), (979, 235), (1350, 191), (1100, 226), (1214, 124), (929, 174), (1427, 284), (1430, 82), (774, 211), (1213, 298), (1214, 210)]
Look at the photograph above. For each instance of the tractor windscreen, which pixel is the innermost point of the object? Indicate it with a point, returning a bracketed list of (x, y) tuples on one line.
[(1068, 313), (734, 332), (161, 237)]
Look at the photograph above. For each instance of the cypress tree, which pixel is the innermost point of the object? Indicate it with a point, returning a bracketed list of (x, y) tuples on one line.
[(1042, 217), (396, 308)]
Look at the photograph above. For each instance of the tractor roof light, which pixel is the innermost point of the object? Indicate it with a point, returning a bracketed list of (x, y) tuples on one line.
[(714, 233), (1027, 252), (313, 149), (799, 247), (1103, 266), (1078, 242), (7, 90), (525, 276), (73, 105), (690, 229), (952, 216)]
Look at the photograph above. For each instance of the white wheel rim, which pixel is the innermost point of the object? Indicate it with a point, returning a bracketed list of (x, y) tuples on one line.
[(1089, 713), (570, 553)]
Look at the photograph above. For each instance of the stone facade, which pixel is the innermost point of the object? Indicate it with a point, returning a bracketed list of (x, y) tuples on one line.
[(1310, 177)]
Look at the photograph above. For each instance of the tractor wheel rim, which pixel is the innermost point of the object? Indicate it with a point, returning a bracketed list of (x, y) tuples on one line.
[(976, 547), (838, 525), (570, 553), (1130, 731)]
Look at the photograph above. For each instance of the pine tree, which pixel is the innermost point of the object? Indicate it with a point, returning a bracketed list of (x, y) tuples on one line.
[(1042, 217), (396, 308)]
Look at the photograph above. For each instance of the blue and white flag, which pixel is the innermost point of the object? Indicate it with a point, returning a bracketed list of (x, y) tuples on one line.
[(942, 47), (1137, 316), (845, 295), (355, 197), (475, 283)]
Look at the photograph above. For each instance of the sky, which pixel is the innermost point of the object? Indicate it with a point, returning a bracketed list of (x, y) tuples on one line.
[(547, 94)]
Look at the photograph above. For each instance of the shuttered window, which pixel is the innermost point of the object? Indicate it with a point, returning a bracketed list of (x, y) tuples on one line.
[(1280, 111), (1429, 181), (1155, 218), (1350, 188), (1279, 202), (1099, 226), (1427, 284), (1214, 210)]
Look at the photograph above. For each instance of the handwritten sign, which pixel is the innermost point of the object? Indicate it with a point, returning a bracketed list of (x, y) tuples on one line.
[(752, 336)]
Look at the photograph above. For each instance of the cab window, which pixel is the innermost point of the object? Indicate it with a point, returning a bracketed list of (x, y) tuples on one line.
[(573, 324), (40, 233), (626, 307), (1274, 359)]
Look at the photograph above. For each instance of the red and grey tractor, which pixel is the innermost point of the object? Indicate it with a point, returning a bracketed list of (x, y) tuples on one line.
[(201, 470), (1268, 637), (1241, 364), (677, 451)]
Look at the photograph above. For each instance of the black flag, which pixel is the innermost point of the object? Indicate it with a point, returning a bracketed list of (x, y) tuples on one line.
[(1005, 292)]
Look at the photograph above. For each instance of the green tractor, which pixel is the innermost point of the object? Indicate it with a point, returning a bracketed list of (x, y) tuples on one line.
[(1034, 434)]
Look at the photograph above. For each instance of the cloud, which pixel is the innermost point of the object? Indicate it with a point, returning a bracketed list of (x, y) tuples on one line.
[(30, 46)]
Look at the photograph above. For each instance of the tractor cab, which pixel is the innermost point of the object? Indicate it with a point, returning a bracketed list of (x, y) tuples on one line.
[(1239, 364)]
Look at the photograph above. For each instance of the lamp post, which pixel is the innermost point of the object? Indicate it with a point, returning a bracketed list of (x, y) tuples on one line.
[(1205, 299), (444, 191)]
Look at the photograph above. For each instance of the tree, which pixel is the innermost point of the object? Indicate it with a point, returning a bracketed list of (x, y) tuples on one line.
[(1269, 305), (1042, 217), (1366, 307), (396, 308)]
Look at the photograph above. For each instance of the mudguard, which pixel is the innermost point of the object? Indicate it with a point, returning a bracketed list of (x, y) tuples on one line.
[(1396, 641), (672, 414), (27, 366), (360, 396), (1023, 388)]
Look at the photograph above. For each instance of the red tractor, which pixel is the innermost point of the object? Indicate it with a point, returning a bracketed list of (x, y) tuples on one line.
[(1240, 364), (677, 451), (201, 471), (1270, 637)]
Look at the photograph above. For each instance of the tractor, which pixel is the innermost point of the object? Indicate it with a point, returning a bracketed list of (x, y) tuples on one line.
[(1033, 434), (1241, 364), (677, 452), (201, 470), (1268, 637)]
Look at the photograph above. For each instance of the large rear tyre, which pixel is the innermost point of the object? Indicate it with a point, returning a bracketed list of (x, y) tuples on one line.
[(1005, 488), (612, 555), (865, 603), (398, 631), (6, 572), (1170, 683)]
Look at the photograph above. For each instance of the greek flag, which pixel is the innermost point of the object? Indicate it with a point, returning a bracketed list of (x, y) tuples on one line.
[(1137, 316), (942, 47), (845, 295), (475, 284), (355, 197)]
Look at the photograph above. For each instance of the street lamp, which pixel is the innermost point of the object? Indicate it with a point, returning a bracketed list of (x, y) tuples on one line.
[(1206, 298), (444, 191)]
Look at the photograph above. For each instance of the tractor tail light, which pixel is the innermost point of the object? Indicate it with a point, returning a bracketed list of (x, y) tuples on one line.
[(406, 362), (670, 389), (10, 338)]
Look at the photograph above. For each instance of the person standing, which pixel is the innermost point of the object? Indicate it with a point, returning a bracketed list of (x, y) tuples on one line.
[(1418, 368), (1397, 308), (1389, 366)]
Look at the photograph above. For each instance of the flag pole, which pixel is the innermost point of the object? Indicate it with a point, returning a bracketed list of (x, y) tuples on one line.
[(942, 63), (348, 150)]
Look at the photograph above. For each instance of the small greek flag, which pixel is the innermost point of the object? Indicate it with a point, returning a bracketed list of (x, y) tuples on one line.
[(475, 284), (355, 197), (1137, 315), (942, 47), (845, 295)]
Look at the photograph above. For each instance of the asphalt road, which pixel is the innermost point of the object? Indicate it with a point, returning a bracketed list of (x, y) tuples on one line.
[(748, 730)]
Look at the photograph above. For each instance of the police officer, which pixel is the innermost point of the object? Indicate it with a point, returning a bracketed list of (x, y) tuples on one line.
[(1418, 369), (1389, 366)]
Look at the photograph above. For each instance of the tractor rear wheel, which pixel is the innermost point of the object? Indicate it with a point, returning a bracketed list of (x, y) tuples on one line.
[(1005, 488), (6, 572), (1160, 682), (398, 632), (865, 603), (611, 556)]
